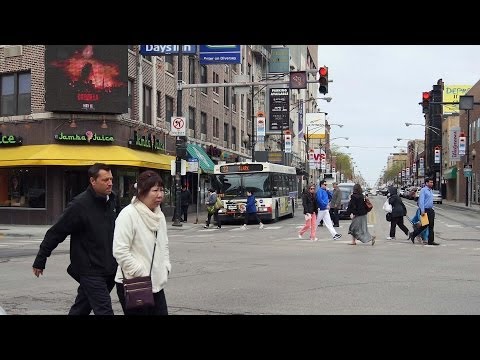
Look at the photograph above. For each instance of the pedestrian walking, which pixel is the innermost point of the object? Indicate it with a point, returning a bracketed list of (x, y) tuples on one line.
[(398, 212), (140, 243), (425, 204), (89, 219), (212, 209), (251, 211), (310, 209), (323, 203), (185, 197), (335, 204), (358, 213)]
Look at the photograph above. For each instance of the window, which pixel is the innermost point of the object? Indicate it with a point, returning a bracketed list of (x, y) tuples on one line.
[(159, 102), (234, 135), (147, 57), (15, 91), (147, 105), (226, 95), (234, 102), (169, 63), (242, 133), (130, 98), (242, 100), (216, 81), (216, 127), (203, 121), (191, 70), (191, 120), (249, 70), (203, 77), (168, 108), (249, 110), (225, 132), (22, 187)]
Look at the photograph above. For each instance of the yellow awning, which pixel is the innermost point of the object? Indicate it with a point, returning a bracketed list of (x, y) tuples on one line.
[(81, 155)]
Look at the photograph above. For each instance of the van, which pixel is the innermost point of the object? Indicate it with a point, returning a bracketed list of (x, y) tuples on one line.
[(347, 190)]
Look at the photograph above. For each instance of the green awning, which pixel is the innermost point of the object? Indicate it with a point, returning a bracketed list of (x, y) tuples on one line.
[(450, 173), (205, 163)]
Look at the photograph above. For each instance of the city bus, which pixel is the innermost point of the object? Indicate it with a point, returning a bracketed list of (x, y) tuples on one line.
[(274, 187)]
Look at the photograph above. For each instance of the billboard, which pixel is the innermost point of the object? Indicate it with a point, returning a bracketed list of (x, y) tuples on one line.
[(86, 78), (279, 109), (315, 123), (452, 93)]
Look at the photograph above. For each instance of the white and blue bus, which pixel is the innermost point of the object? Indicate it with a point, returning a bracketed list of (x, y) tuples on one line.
[(274, 186)]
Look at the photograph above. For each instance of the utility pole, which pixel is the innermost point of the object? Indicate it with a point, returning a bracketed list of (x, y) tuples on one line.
[(179, 144), (253, 142)]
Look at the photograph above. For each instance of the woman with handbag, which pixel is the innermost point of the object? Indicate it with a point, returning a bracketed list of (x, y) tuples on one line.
[(212, 208), (358, 213), (140, 246), (398, 212)]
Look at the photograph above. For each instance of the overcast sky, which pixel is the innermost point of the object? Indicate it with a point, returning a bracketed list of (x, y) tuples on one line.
[(376, 89)]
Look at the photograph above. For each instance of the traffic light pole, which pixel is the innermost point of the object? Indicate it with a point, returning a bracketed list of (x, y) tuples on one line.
[(467, 158), (179, 141)]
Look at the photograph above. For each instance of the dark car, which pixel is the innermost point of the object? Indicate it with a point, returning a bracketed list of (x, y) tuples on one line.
[(347, 190)]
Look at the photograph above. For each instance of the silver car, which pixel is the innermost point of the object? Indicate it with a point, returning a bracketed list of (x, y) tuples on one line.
[(437, 197)]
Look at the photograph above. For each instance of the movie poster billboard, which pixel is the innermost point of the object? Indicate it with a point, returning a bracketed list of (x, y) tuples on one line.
[(86, 78)]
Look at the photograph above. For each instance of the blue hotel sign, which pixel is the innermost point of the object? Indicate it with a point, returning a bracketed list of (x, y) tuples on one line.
[(220, 54), (155, 50)]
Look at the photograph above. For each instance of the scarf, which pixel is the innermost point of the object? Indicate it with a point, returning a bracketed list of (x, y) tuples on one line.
[(149, 217)]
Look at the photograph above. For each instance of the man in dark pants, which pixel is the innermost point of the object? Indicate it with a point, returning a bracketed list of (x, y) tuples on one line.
[(425, 203), (335, 204), (89, 220), (185, 197)]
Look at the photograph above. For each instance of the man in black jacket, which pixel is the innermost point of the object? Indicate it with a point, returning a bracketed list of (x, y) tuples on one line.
[(185, 196), (89, 220)]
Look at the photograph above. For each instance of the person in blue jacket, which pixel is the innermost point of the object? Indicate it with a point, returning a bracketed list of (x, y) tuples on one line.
[(251, 211), (323, 202)]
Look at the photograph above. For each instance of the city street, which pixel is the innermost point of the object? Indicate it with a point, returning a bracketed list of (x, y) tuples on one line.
[(271, 271)]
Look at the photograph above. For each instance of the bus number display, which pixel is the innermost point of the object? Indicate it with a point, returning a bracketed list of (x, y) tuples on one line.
[(240, 168)]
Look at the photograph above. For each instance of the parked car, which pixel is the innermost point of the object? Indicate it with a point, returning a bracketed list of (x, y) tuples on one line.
[(347, 190), (437, 197)]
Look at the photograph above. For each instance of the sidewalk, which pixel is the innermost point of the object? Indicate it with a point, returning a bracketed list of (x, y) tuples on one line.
[(471, 207), (38, 231)]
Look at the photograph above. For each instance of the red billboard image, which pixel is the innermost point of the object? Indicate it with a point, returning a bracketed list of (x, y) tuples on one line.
[(86, 78)]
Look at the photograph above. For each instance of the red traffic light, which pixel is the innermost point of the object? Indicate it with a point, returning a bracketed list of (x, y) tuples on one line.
[(323, 80), (323, 71), (426, 96)]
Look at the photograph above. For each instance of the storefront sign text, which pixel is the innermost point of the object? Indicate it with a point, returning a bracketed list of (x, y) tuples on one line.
[(146, 142), (9, 140), (88, 137)]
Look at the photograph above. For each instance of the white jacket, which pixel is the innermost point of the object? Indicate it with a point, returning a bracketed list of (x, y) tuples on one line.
[(133, 244)]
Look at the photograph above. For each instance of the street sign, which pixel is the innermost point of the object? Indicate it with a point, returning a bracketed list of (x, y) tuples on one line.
[(298, 80), (192, 165), (467, 170), (178, 127)]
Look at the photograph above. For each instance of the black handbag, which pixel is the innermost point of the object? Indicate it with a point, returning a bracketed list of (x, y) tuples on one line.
[(138, 291), (388, 216)]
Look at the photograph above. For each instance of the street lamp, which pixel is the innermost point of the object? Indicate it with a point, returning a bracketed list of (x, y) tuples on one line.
[(433, 128)]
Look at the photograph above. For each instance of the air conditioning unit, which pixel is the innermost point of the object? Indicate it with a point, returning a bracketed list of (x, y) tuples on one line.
[(203, 137), (191, 133), (14, 50), (225, 144), (233, 147)]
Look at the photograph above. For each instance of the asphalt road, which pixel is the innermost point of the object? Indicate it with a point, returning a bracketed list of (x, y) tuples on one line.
[(271, 271)]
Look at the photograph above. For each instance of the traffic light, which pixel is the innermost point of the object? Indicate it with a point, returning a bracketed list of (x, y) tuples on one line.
[(323, 80), (426, 97)]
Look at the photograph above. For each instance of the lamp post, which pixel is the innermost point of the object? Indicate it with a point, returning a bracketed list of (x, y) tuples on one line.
[(466, 103), (434, 129)]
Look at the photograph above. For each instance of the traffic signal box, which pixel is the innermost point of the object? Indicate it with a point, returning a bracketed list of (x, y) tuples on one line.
[(323, 80), (426, 98)]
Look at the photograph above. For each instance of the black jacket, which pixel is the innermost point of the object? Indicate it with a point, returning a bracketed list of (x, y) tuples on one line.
[(185, 197), (398, 207), (309, 203), (89, 220), (356, 205)]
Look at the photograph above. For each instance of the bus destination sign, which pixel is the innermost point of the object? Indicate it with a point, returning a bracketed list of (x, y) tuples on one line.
[(225, 169)]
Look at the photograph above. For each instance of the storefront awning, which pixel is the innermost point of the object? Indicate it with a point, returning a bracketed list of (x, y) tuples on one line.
[(450, 173), (204, 161), (81, 155)]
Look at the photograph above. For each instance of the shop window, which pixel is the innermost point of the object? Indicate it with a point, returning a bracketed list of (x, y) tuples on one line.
[(22, 187), (125, 181)]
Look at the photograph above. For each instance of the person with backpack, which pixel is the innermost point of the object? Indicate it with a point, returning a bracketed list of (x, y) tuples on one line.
[(251, 211), (398, 212)]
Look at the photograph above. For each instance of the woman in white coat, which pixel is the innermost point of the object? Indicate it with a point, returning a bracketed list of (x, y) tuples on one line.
[(138, 228)]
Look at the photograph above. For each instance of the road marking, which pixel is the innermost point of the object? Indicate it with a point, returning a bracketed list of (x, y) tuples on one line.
[(272, 227), (454, 226)]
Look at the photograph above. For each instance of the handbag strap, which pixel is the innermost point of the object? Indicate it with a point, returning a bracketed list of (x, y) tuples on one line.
[(153, 256)]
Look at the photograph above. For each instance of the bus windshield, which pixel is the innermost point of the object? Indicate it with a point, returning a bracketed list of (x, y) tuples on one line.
[(236, 185)]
